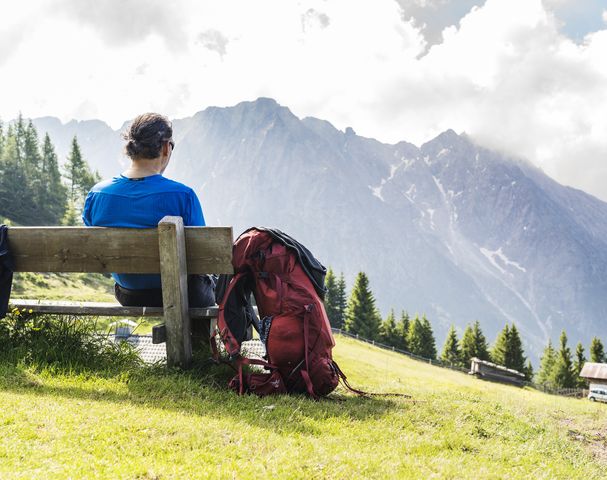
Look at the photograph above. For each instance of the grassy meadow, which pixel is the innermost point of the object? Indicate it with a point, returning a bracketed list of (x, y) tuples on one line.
[(149, 423), (101, 414), (77, 287), (81, 287)]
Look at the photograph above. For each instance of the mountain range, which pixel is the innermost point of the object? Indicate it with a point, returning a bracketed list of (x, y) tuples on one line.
[(450, 229)]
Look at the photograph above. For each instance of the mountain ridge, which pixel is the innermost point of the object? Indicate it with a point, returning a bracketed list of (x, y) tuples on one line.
[(449, 228)]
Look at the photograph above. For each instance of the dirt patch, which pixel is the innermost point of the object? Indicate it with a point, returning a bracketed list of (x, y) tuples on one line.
[(593, 440)]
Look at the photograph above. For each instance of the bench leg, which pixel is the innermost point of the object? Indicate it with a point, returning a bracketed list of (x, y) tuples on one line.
[(173, 271)]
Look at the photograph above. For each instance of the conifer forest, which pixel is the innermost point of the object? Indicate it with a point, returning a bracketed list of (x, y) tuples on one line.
[(34, 188)]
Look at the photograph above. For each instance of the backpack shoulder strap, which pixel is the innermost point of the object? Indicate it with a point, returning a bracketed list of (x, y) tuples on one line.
[(235, 313)]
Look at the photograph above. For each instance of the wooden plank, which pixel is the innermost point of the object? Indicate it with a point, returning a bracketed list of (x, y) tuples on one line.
[(102, 309), (173, 271), (122, 250), (209, 249)]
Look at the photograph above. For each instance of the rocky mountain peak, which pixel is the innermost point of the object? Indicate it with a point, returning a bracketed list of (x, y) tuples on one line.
[(451, 229)]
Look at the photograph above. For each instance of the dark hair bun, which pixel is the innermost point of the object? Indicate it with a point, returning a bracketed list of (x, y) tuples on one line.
[(133, 149), (146, 135)]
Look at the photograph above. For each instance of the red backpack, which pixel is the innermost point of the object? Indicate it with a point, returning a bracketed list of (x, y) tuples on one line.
[(288, 284)]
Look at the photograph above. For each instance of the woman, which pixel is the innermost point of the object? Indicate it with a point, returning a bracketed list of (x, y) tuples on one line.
[(139, 198)]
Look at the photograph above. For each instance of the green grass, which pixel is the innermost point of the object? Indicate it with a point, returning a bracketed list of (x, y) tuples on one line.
[(147, 423), (62, 342), (82, 287), (78, 287)]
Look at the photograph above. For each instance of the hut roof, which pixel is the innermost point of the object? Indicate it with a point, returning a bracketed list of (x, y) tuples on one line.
[(594, 370), (498, 367)]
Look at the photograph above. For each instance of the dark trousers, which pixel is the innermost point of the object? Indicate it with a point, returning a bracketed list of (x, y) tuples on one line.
[(201, 293)]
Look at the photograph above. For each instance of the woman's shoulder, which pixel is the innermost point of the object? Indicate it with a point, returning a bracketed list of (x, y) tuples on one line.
[(104, 185), (173, 185)]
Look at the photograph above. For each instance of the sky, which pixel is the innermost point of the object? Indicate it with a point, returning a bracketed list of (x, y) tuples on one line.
[(525, 77)]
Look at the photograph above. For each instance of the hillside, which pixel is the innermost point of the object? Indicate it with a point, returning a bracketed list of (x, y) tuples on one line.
[(449, 228), (79, 287), (157, 425)]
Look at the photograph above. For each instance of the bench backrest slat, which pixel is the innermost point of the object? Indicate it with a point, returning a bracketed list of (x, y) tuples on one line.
[(122, 250)]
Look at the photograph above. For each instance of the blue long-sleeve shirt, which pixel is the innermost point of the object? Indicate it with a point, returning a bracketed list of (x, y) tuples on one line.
[(140, 203)]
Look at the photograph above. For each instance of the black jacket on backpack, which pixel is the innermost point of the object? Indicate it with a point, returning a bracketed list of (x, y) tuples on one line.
[(6, 271)]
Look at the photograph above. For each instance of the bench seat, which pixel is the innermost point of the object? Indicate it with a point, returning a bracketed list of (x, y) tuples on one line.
[(104, 309)]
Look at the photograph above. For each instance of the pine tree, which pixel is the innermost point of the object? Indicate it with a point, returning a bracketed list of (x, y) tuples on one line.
[(499, 352), (597, 352), (451, 353), (31, 189), (2, 167), (402, 331), (32, 166), (388, 332), (480, 342), (331, 299), (428, 341), (563, 368), (1, 138), (7, 160), (19, 134), (508, 349), (545, 375), (16, 197), (528, 371), (415, 336), (473, 344), (53, 194), (467, 346), (516, 357), (341, 301), (578, 364), (74, 171), (362, 316), (31, 156), (79, 176)]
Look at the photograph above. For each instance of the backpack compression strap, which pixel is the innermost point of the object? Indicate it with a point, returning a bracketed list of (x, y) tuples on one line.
[(304, 371)]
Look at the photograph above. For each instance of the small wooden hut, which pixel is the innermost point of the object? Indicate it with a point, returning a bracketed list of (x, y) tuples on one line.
[(490, 371), (595, 373)]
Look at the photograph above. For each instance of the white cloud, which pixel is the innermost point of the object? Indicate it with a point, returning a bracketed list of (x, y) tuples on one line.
[(214, 40), (126, 21), (313, 19), (504, 74), (14, 29)]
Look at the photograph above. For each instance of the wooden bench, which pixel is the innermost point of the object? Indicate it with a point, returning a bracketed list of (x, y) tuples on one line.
[(172, 250)]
